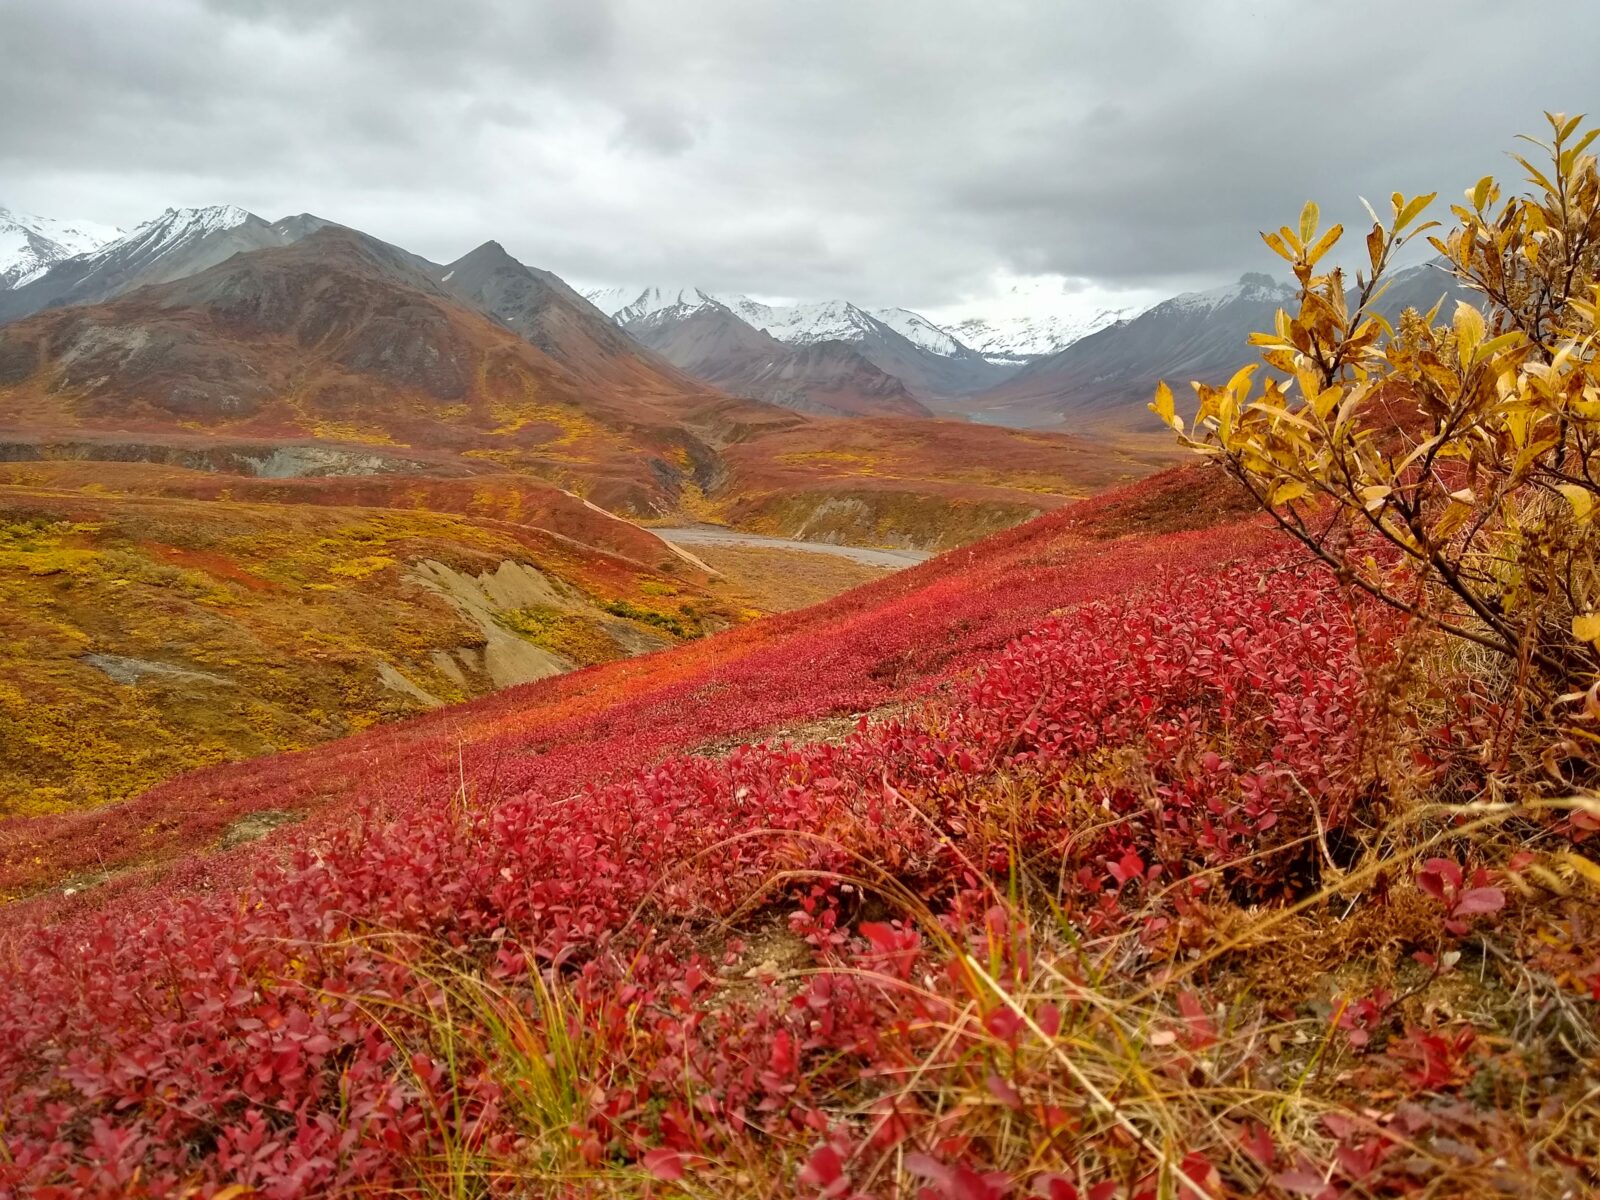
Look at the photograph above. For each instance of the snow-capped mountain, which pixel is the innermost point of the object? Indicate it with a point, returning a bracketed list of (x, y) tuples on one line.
[(808, 357), (803, 324), (928, 360), (1021, 318), (180, 242), (1107, 378), (624, 305), (1022, 338), (30, 245), (916, 328), (1252, 288)]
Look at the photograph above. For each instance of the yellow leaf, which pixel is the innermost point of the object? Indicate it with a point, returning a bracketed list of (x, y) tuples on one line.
[(1587, 627), (1324, 244), (1276, 243), (1289, 489), (1581, 499), (1165, 408), (1469, 329), (1496, 344), (1374, 495), (1308, 221), (1582, 866), (1412, 210), (1375, 245)]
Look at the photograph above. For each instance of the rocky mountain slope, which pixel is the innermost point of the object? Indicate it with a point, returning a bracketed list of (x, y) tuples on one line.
[(181, 241), (1104, 381), (831, 378), (339, 336)]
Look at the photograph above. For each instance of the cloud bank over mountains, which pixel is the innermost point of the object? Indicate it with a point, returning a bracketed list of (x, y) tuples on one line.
[(926, 155)]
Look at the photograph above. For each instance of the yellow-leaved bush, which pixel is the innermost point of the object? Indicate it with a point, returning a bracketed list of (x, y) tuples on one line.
[(1468, 442)]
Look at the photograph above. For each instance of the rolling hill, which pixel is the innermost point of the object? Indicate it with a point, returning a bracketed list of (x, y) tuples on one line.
[(153, 619)]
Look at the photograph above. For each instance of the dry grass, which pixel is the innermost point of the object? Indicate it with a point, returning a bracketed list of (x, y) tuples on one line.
[(773, 580)]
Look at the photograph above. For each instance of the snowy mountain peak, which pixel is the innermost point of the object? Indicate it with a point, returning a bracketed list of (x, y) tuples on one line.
[(187, 224), (30, 245), (1253, 286), (1020, 338), (623, 305), (918, 329), (803, 324)]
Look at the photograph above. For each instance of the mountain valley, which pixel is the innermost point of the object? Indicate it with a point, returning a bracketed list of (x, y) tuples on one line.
[(267, 483)]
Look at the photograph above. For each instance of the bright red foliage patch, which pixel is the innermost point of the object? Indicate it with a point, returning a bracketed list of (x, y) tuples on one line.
[(1167, 738)]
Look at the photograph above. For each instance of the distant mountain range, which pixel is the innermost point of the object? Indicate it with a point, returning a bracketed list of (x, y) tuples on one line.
[(831, 357), (1104, 380), (834, 358)]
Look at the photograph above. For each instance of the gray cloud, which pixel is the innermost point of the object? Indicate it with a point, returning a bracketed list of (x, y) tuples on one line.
[(901, 151)]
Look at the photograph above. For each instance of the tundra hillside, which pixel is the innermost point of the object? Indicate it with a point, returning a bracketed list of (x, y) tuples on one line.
[(1140, 851)]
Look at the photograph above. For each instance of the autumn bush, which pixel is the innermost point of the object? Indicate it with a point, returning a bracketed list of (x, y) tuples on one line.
[(1468, 450)]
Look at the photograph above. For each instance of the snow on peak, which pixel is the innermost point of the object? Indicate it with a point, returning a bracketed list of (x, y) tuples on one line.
[(186, 224), (1252, 286), (178, 227), (31, 245), (797, 324), (1018, 318), (1017, 338), (630, 304), (918, 329), (802, 324)]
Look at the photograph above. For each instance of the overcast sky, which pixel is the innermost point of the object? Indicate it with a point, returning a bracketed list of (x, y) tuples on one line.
[(914, 152)]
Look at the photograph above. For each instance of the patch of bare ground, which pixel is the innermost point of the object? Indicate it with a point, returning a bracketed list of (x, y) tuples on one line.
[(774, 580), (833, 729)]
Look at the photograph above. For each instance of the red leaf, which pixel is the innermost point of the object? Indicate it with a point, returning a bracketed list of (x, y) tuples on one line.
[(1130, 866), (1049, 1019), (884, 938), (1202, 1032), (1004, 1092), (664, 1164), (1474, 901), (824, 1169), (925, 1167), (1439, 877), (1054, 1187), (1004, 1024), (1257, 1143)]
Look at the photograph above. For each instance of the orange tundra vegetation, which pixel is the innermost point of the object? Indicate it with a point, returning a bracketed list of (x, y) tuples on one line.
[(145, 635), (1159, 853)]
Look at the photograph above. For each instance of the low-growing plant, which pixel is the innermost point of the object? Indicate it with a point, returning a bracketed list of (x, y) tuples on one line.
[(679, 624)]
